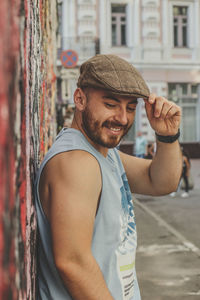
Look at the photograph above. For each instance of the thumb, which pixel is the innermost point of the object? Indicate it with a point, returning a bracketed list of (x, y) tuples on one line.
[(149, 110)]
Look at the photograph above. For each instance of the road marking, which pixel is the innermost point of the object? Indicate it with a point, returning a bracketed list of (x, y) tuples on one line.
[(172, 230), (194, 293), (157, 249), (175, 282)]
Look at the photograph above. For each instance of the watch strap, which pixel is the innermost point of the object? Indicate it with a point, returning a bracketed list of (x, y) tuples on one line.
[(168, 138)]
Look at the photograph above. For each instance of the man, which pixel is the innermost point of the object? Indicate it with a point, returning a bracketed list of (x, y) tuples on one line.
[(140, 145), (84, 205)]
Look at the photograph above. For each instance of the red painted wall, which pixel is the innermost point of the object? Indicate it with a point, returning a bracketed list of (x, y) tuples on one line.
[(27, 123)]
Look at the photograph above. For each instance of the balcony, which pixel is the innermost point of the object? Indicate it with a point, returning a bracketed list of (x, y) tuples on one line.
[(85, 46)]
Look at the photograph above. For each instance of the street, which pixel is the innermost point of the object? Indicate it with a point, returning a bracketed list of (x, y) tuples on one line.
[(168, 255)]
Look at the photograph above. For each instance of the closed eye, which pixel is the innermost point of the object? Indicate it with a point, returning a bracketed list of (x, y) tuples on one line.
[(109, 105), (131, 109)]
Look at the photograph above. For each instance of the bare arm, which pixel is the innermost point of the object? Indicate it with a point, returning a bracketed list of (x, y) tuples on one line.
[(162, 174), (159, 176), (74, 182)]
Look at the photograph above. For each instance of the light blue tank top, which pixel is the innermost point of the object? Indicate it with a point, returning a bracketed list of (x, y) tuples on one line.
[(114, 237)]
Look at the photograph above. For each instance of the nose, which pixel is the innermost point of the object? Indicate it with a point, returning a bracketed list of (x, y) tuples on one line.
[(121, 116)]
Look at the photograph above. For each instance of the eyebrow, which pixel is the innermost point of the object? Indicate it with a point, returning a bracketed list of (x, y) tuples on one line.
[(133, 101)]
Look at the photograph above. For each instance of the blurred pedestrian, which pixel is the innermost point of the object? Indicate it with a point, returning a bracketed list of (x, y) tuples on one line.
[(140, 145), (186, 173), (185, 176)]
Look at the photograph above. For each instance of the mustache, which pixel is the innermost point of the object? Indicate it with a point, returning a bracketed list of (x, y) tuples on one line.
[(114, 124)]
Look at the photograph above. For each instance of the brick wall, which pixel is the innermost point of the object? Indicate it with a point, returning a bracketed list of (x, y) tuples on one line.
[(27, 123)]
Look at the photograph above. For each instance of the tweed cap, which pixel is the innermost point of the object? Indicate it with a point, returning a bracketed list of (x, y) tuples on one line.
[(114, 74)]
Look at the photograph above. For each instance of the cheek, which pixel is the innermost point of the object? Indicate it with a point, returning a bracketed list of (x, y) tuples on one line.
[(132, 117), (102, 116)]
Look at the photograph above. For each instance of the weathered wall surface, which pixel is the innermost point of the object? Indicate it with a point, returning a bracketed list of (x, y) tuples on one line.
[(27, 122)]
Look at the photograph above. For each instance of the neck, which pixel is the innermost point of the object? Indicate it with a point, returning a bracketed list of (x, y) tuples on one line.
[(75, 124)]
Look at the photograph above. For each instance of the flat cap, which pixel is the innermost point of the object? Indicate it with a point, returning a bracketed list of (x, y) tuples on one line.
[(114, 74)]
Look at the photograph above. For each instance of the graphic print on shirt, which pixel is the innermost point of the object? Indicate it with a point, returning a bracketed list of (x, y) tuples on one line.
[(127, 248)]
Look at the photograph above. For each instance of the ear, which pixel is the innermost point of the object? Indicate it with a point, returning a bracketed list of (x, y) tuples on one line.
[(80, 99)]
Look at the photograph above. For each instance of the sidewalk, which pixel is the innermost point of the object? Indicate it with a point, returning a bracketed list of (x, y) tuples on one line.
[(166, 268), (167, 263)]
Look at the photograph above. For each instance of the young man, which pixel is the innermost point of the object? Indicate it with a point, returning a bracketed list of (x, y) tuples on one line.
[(84, 205)]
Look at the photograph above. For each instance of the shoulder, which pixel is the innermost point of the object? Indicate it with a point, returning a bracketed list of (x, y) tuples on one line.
[(72, 165), (70, 177)]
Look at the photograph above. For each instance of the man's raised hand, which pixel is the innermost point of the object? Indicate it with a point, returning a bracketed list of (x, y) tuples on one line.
[(164, 116)]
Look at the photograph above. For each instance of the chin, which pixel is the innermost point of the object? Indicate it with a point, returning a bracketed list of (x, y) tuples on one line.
[(113, 143)]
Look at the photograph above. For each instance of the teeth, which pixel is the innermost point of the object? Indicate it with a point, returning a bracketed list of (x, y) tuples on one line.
[(115, 129)]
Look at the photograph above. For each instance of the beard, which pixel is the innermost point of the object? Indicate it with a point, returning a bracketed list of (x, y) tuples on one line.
[(93, 129)]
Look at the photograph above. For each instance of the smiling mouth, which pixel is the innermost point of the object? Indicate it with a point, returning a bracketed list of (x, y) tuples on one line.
[(115, 129)]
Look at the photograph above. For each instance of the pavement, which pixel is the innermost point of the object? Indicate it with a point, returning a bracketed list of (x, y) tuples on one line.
[(168, 254)]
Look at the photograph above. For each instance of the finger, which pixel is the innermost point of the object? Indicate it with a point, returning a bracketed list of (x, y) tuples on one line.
[(165, 109), (158, 106), (173, 111), (152, 98), (149, 110)]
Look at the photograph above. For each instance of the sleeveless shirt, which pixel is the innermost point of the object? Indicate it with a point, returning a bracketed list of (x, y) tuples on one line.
[(114, 236)]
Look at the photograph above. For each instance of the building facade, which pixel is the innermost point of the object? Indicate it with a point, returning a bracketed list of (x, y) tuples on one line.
[(78, 31), (159, 37)]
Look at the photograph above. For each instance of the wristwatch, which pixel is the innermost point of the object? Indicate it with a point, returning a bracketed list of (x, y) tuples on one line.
[(168, 138)]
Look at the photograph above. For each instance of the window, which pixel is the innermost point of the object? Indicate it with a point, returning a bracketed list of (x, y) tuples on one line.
[(185, 95), (118, 25), (151, 4), (59, 12), (180, 15)]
